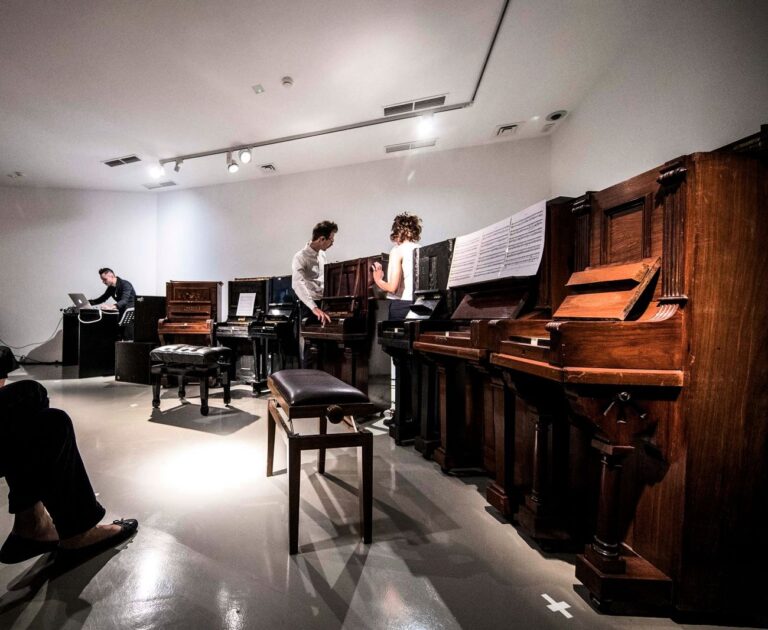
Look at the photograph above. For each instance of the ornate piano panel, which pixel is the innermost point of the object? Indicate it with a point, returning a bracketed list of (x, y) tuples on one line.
[(275, 333), (415, 404), (342, 347), (471, 395), (191, 312), (233, 333), (658, 350)]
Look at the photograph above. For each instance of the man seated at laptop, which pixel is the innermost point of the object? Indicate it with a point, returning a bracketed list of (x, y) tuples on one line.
[(121, 291)]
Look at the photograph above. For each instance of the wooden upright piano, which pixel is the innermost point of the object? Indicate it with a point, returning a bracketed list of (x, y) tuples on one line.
[(343, 346), (191, 312), (658, 350), (468, 391), (414, 418)]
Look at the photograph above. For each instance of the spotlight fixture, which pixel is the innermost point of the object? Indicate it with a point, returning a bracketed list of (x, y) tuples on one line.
[(178, 165), (245, 156), (232, 165), (157, 171)]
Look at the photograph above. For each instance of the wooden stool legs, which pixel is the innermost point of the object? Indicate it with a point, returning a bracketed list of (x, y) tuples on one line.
[(322, 441)]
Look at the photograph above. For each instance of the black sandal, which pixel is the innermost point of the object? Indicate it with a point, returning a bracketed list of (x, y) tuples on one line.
[(17, 548), (71, 557)]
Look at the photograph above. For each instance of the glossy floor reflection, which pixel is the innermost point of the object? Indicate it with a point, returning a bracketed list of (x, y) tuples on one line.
[(212, 549)]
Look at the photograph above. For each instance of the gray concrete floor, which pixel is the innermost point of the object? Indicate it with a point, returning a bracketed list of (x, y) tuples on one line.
[(212, 548)]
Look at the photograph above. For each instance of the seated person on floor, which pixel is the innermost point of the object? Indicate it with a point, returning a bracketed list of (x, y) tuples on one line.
[(50, 495)]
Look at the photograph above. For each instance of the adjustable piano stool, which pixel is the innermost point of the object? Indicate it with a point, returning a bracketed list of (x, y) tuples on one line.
[(186, 362), (317, 394)]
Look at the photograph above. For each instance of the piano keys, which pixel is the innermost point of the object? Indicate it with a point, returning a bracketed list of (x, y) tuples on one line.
[(191, 312), (342, 347), (658, 352), (414, 414), (247, 302)]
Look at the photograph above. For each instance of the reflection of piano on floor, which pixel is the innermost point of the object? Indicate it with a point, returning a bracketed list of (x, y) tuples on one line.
[(658, 350)]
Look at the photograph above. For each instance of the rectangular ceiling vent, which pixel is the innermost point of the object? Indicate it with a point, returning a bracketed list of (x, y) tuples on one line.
[(155, 185), (547, 127), (268, 169), (128, 159), (508, 130), (415, 106), (408, 146)]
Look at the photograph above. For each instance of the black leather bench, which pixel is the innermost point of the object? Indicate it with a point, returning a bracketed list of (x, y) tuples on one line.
[(185, 362), (298, 394)]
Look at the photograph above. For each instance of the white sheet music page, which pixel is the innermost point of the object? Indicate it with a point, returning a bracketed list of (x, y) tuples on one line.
[(509, 248), (245, 304)]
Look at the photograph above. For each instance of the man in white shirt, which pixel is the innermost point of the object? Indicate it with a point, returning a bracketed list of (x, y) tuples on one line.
[(308, 268)]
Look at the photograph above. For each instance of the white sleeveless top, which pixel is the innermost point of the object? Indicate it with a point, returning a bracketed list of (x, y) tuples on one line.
[(405, 290)]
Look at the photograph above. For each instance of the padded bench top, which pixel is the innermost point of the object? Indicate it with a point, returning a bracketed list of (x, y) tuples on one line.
[(315, 387), (190, 355)]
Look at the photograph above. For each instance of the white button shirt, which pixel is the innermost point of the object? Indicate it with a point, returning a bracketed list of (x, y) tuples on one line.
[(307, 271)]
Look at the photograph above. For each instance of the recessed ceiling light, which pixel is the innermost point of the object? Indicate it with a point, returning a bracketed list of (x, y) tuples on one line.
[(535, 117), (258, 88), (156, 171), (426, 125)]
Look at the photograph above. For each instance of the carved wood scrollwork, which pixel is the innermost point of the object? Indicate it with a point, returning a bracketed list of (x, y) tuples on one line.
[(582, 211), (671, 196)]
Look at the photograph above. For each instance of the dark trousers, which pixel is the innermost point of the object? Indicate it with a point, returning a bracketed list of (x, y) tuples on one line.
[(398, 309), (41, 462)]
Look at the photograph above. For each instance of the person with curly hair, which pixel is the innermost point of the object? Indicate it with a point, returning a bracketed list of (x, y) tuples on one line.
[(406, 233)]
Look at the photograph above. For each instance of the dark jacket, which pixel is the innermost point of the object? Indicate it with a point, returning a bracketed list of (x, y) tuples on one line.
[(122, 293)]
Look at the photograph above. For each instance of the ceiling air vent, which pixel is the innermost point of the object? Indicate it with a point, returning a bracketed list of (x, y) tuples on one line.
[(269, 169), (128, 159), (159, 185), (508, 130), (408, 146), (415, 106)]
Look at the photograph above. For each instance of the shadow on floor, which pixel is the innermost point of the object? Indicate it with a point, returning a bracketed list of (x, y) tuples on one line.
[(219, 421)]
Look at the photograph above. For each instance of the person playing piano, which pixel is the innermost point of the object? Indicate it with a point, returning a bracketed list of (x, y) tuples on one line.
[(406, 232), (121, 291), (308, 268)]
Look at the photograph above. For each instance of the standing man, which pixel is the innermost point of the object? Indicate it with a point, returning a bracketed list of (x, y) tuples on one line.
[(121, 291), (308, 270)]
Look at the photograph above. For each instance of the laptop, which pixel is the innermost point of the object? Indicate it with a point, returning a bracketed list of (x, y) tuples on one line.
[(80, 301)]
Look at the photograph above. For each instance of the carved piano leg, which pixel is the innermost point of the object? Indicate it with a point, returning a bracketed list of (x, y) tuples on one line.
[(607, 568), (459, 443), (428, 396), (503, 412)]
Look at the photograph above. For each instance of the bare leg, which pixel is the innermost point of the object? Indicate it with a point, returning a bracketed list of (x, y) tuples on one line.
[(35, 524)]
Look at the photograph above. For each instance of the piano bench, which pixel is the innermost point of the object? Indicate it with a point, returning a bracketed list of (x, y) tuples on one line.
[(300, 394), (187, 362)]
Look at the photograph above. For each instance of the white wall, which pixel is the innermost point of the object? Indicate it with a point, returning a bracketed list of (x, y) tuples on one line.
[(693, 78), (255, 227), (53, 242)]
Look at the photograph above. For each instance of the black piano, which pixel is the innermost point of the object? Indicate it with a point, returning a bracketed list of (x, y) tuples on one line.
[(234, 333), (414, 412), (276, 332)]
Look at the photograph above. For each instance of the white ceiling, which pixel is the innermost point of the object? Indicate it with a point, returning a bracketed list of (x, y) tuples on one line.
[(82, 82)]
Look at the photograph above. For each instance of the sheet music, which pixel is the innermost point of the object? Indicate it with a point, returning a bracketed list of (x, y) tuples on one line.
[(245, 304), (510, 248)]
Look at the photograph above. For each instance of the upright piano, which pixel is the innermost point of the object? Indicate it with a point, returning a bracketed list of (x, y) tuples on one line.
[(343, 346), (191, 311), (468, 391), (276, 331), (414, 416), (659, 352), (247, 302)]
